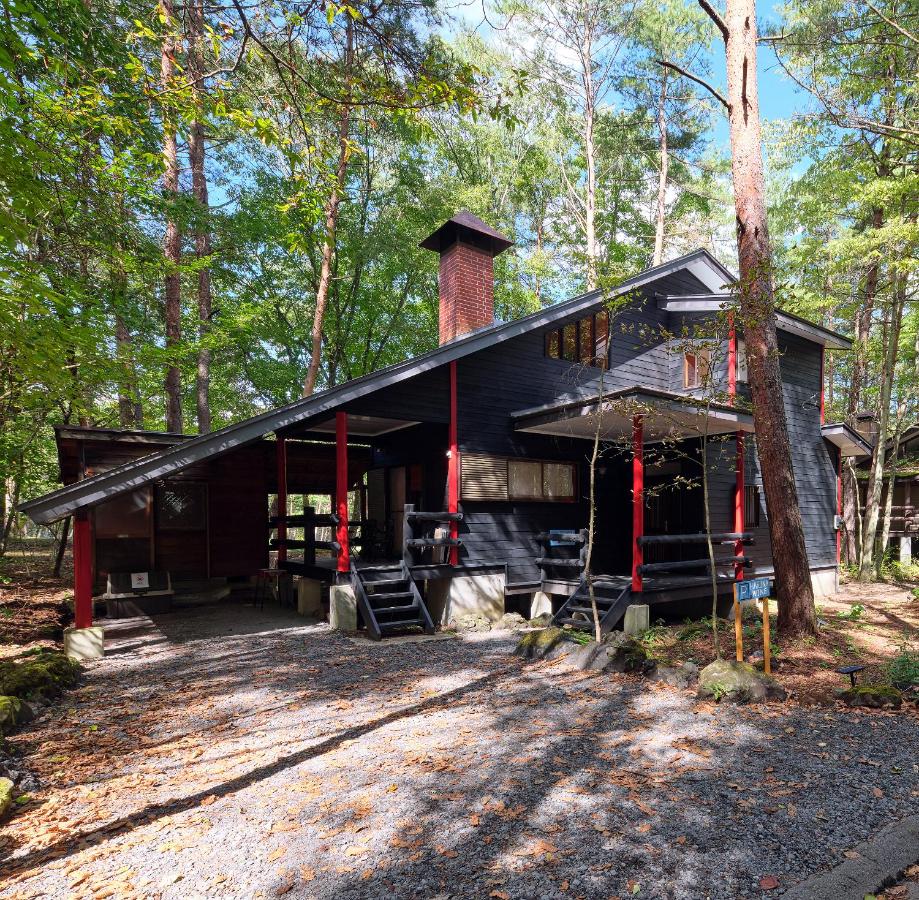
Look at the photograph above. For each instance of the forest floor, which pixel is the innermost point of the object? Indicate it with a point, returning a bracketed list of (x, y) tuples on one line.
[(233, 752), (864, 624)]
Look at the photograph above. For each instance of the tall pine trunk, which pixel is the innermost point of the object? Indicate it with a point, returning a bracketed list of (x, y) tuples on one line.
[(196, 157), (172, 242), (331, 220), (662, 175), (876, 473), (757, 309)]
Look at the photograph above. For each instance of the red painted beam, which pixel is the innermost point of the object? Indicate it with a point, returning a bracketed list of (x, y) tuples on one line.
[(82, 570), (739, 502), (638, 498), (281, 446), (453, 466), (341, 489)]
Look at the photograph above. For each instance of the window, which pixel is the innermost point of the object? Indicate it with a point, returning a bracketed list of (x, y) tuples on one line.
[(524, 479), (585, 341), (181, 506), (751, 506), (741, 361), (127, 516), (696, 367), (500, 478)]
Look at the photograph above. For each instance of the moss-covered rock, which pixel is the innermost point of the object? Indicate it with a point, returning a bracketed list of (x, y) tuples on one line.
[(6, 796), (536, 644), (873, 696), (13, 712), (728, 679), (617, 652), (543, 620), (45, 674)]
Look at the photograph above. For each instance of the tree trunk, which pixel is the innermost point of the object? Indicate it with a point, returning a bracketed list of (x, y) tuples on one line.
[(662, 175), (61, 548), (876, 473), (331, 220), (757, 308), (172, 242), (590, 158), (196, 157), (888, 499)]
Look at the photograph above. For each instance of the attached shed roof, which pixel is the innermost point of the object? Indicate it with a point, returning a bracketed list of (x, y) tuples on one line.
[(163, 463), (847, 439)]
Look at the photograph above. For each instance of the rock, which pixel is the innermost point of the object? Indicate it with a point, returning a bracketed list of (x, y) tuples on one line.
[(672, 675), (43, 674), (618, 652), (561, 650), (511, 622), (537, 644), (471, 622), (873, 696), (691, 669), (543, 620), (6, 796), (738, 681), (13, 712)]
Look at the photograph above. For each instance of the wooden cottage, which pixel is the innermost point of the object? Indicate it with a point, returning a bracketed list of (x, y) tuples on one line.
[(460, 478)]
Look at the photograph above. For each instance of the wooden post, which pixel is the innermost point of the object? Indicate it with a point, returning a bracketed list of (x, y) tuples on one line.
[(341, 489), (738, 626), (82, 570), (453, 467), (638, 499), (767, 649), (739, 503), (281, 443)]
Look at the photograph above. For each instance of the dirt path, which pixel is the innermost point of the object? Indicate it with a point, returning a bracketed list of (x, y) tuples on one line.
[(235, 753)]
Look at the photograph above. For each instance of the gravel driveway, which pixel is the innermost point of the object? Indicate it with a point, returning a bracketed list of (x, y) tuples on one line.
[(237, 753)]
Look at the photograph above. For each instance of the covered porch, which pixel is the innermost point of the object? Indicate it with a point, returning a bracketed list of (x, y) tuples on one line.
[(651, 538)]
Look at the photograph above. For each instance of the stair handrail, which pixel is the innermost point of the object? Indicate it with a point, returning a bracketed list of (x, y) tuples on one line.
[(363, 604)]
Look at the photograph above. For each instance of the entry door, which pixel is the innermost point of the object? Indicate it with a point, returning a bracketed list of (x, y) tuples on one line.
[(396, 508)]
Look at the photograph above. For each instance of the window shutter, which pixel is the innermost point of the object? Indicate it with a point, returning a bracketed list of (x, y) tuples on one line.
[(483, 477)]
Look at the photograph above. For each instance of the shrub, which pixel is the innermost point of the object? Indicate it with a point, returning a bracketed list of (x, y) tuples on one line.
[(904, 667)]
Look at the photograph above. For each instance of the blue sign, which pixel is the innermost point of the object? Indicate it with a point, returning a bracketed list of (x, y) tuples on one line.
[(752, 589)]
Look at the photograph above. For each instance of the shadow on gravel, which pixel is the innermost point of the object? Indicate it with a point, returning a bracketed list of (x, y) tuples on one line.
[(95, 836)]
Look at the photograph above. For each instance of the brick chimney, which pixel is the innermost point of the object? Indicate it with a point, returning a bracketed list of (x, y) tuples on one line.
[(467, 248)]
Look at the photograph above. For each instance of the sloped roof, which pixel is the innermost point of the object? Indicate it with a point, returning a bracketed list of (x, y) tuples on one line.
[(133, 475)]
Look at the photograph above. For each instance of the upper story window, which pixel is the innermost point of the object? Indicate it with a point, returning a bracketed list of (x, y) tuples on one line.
[(741, 360), (696, 364), (585, 341)]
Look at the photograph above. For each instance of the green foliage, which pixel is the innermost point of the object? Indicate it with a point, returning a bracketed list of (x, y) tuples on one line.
[(903, 669), (854, 614)]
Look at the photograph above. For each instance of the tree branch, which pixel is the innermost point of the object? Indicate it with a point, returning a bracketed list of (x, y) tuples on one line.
[(891, 23), (715, 16), (713, 91)]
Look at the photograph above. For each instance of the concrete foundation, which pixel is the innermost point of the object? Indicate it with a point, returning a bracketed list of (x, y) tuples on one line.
[(342, 608), (540, 604), (825, 582), (84, 643), (309, 597), (637, 619), (482, 595), (906, 549)]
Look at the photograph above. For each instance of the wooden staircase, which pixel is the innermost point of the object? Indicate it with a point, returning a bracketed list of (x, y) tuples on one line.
[(389, 600), (614, 596)]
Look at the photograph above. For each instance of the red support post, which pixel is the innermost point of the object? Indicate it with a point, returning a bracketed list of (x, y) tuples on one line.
[(839, 506), (281, 447), (732, 358), (638, 499), (739, 504), (82, 570), (341, 489), (453, 466)]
